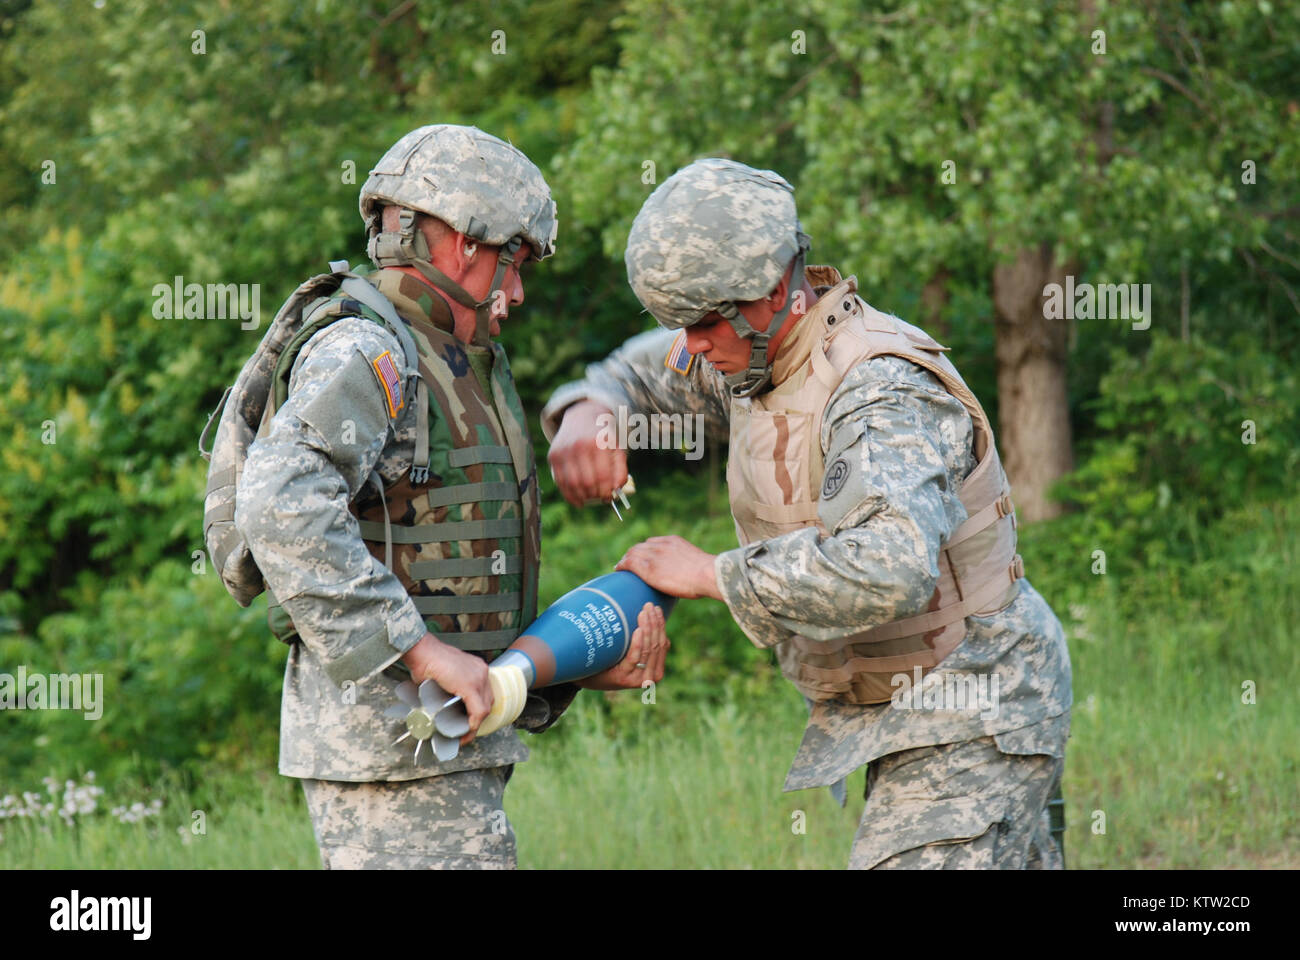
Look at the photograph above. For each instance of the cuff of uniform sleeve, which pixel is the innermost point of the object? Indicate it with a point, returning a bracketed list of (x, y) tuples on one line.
[(569, 394), (739, 596), (380, 650)]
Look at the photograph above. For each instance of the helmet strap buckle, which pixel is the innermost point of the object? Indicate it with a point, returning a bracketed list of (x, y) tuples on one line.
[(404, 246)]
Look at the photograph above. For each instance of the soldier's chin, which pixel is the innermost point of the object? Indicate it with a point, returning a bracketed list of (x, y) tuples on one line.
[(494, 327)]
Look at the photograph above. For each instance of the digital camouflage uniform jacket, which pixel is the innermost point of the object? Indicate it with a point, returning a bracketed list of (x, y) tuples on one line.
[(912, 441), (353, 615)]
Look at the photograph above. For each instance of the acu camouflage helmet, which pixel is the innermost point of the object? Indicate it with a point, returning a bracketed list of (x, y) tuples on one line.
[(474, 182), (716, 233)]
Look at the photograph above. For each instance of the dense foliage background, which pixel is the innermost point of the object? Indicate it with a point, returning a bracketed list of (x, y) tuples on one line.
[(127, 158)]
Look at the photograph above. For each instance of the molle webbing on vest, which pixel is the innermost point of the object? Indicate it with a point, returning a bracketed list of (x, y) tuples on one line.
[(463, 567), (472, 493), (466, 456), (477, 640), (445, 532), (477, 603)]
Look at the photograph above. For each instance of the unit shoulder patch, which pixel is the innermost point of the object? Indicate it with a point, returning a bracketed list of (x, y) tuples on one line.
[(836, 475)]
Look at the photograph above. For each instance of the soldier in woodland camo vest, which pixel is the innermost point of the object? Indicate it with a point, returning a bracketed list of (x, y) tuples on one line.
[(430, 575), (877, 535)]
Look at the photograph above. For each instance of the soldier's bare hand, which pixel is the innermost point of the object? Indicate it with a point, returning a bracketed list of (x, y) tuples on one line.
[(583, 469), (645, 656), (674, 565), (459, 673)]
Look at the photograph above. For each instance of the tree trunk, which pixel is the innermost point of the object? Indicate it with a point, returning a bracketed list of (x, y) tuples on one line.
[(934, 301), (1034, 418)]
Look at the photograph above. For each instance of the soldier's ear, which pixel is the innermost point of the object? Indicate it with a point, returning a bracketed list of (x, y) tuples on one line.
[(776, 299)]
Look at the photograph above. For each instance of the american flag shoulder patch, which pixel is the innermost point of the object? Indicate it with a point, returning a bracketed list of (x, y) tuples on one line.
[(390, 380), (679, 358)]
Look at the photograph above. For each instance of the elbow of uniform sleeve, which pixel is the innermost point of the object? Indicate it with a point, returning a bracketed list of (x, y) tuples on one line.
[(897, 573), (254, 523), (357, 652), (362, 658), (730, 568)]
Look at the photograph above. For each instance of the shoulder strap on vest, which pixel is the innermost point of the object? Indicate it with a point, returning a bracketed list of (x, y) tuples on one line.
[(878, 334), (359, 289)]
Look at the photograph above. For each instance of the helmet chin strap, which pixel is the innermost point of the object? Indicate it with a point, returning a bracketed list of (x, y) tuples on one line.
[(758, 375), (483, 310), (407, 247)]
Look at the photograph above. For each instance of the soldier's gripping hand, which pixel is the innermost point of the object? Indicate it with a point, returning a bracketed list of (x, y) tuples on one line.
[(457, 672), (645, 656), (674, 565), (583, 468)]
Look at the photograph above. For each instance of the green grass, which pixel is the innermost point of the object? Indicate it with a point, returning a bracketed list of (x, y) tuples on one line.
[(1185, 773), (674, 787)]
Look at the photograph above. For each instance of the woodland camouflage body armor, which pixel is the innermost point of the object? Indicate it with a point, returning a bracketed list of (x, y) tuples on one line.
[(466, 544)]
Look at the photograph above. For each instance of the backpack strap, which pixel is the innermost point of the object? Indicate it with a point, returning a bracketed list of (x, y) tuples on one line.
[(357, 288)]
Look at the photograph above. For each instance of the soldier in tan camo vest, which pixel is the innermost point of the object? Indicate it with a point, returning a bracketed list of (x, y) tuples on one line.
[(877, 535), (431, 571)]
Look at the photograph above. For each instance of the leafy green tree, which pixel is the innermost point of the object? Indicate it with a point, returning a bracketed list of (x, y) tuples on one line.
[(960, 156)]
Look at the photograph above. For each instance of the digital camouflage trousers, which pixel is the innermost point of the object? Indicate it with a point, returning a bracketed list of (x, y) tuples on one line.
[(958, 806), (451, 822)]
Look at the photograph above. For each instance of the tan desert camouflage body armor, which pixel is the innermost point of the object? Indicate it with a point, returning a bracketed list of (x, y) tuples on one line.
[(465, 545), (776, 474)]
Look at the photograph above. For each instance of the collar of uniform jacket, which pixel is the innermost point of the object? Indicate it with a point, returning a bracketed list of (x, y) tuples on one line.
[(415, 300), (820, 320)]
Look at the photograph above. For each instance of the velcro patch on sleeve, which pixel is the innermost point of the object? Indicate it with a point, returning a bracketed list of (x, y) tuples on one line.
[(390, 380), (679, 358)]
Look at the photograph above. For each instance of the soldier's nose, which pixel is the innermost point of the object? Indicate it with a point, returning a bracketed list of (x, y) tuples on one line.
[(696, 343)]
